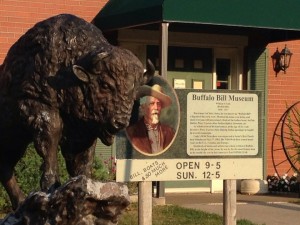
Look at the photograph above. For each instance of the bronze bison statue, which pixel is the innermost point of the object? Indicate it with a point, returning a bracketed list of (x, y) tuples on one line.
[(62, 84)]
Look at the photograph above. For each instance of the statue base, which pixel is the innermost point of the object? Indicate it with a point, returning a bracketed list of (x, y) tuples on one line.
[(80, 201)]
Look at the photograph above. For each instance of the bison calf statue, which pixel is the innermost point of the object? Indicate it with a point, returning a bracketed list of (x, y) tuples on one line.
[(62, 84)]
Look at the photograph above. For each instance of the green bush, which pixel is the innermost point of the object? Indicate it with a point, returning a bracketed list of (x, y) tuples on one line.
[(100, 172), (28, 171), (28, 174), (3, 200)]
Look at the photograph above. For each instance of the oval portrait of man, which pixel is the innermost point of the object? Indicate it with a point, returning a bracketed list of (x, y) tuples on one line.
[(157, 119)]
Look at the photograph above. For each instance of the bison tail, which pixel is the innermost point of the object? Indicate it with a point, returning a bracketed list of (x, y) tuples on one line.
[(5, 79)]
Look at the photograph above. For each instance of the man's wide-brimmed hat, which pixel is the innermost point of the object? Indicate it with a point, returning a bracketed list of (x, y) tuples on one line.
[(155, 91)]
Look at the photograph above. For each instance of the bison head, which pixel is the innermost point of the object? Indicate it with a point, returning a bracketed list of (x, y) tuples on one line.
[(110, 81)]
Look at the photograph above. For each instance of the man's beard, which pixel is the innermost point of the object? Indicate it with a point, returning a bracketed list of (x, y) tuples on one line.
[(155, 117)]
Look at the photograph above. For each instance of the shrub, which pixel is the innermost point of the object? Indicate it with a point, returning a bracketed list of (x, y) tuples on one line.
[(100, 171), (283, 184), (28, 174), (3, 200)]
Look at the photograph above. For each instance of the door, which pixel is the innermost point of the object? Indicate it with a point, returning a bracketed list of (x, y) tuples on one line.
[(227, 74)]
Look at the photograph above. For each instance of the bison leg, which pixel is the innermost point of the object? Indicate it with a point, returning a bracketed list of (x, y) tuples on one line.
[(14, 192), (10, 154), (46, 138), (79, 157)]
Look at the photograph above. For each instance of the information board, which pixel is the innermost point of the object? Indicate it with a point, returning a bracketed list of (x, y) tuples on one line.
[(222, 124), (219, 136)]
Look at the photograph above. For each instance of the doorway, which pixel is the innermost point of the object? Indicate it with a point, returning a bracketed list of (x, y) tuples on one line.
[(226, 73)]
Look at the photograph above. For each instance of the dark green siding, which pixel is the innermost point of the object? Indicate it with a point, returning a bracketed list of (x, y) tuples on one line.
[(258, 75), (102, 151)]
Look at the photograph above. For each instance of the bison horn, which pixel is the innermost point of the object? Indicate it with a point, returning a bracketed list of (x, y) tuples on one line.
[(149, 73), (102, 55)]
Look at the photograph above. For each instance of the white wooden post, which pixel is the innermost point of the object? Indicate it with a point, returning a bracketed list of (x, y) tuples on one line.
[(145, 203), (163, 52), (229, 202)]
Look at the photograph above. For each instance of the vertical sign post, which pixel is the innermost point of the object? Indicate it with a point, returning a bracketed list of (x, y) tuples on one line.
[(145, 203), (229, 202)]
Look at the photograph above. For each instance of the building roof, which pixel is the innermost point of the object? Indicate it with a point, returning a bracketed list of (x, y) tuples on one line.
[(266, 14)]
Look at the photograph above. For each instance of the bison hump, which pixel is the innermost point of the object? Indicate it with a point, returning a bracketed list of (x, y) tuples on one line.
[(49, 46)]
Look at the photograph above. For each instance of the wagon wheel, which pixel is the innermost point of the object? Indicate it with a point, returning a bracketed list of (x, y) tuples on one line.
[(290, 135), (280, 163)]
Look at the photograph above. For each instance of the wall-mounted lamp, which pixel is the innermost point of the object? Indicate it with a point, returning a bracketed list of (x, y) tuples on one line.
[(281, 60)]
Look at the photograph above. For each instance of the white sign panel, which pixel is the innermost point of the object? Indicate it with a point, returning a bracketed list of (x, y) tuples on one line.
[(188, 169), (222, 124)]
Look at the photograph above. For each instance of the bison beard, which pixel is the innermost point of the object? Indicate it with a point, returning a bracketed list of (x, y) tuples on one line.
[(63, 83)]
